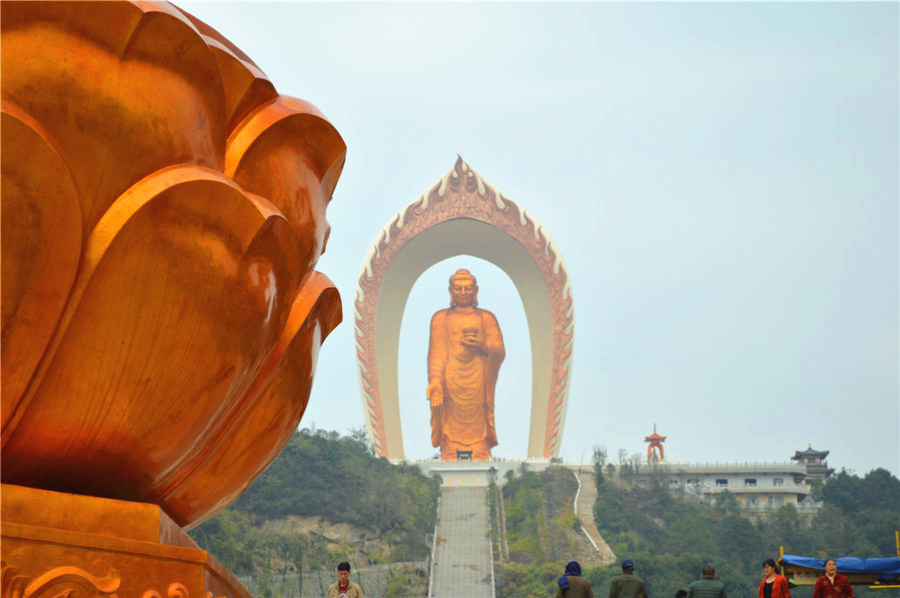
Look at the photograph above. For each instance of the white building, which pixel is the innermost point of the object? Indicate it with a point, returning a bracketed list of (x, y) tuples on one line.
[(756, 486)]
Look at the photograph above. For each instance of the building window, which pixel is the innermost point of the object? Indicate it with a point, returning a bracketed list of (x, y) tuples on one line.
[(693, 481), (673, 483), (721, 483), (778, 482), (779, 500), (751, 500), (750, 482)]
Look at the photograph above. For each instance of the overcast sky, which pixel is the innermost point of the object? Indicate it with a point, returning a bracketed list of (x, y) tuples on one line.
[(721, 179)]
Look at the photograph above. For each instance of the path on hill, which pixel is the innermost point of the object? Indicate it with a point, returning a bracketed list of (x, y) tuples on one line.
[(584, 508), (463, 565)]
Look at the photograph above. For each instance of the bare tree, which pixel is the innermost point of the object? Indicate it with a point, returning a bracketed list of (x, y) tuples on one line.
[(599, 463)]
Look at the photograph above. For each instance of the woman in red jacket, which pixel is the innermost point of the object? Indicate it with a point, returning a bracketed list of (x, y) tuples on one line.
[(773, 585), (832, 584)]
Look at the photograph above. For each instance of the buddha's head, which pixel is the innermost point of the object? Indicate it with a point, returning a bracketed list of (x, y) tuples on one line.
[(463, 289)]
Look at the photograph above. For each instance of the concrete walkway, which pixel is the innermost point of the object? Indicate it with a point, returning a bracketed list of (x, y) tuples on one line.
[(463, 565), (584, 508)]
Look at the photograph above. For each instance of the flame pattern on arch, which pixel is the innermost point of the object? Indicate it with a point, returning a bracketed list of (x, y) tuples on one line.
[(463, 193)]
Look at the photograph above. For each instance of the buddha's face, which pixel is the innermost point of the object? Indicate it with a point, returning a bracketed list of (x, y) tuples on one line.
[(463, 291)]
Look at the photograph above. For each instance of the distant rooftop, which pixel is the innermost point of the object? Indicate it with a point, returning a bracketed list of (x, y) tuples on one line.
[(810, 452)]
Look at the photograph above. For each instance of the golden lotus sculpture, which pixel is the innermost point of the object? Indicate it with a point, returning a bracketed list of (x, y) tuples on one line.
[(163, 209)]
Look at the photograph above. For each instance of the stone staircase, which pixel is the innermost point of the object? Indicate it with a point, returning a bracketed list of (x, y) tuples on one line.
[(584, 508), (462, 564)]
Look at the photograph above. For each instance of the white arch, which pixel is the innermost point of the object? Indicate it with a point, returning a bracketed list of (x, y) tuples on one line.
[(443, 223)]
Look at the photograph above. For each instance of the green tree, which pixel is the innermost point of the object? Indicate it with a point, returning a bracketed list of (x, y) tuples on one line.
[(738, 540), (727, 503), (843, 490)]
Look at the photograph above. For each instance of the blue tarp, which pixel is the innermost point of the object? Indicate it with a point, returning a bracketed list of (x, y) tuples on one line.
[(886, 568)]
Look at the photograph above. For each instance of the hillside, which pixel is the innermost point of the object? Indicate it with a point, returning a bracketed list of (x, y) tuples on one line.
[(670, 538), (326, 498), (540, 524)]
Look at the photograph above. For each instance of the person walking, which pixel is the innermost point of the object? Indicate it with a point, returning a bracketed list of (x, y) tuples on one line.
[(627, 585), (773, 585), (572, 585), (832, 584), (343, 587), (707, 586)]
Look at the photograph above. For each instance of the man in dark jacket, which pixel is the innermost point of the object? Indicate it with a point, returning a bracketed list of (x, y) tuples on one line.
[(627, 585), (572, 584), (707, 586)]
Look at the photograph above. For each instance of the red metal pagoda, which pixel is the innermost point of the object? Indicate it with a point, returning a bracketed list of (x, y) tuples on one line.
[(655, 441)]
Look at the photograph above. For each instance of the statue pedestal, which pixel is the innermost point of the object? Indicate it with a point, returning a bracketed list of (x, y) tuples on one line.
[(53, 543), (478, 473)]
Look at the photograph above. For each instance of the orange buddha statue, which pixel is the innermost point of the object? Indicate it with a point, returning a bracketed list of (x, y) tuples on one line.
[(464, 356)]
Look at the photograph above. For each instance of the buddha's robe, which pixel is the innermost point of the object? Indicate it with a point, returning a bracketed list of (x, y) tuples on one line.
[(465, 419)]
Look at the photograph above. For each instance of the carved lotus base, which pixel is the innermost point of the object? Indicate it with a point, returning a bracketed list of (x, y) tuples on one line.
[(55, 544)]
